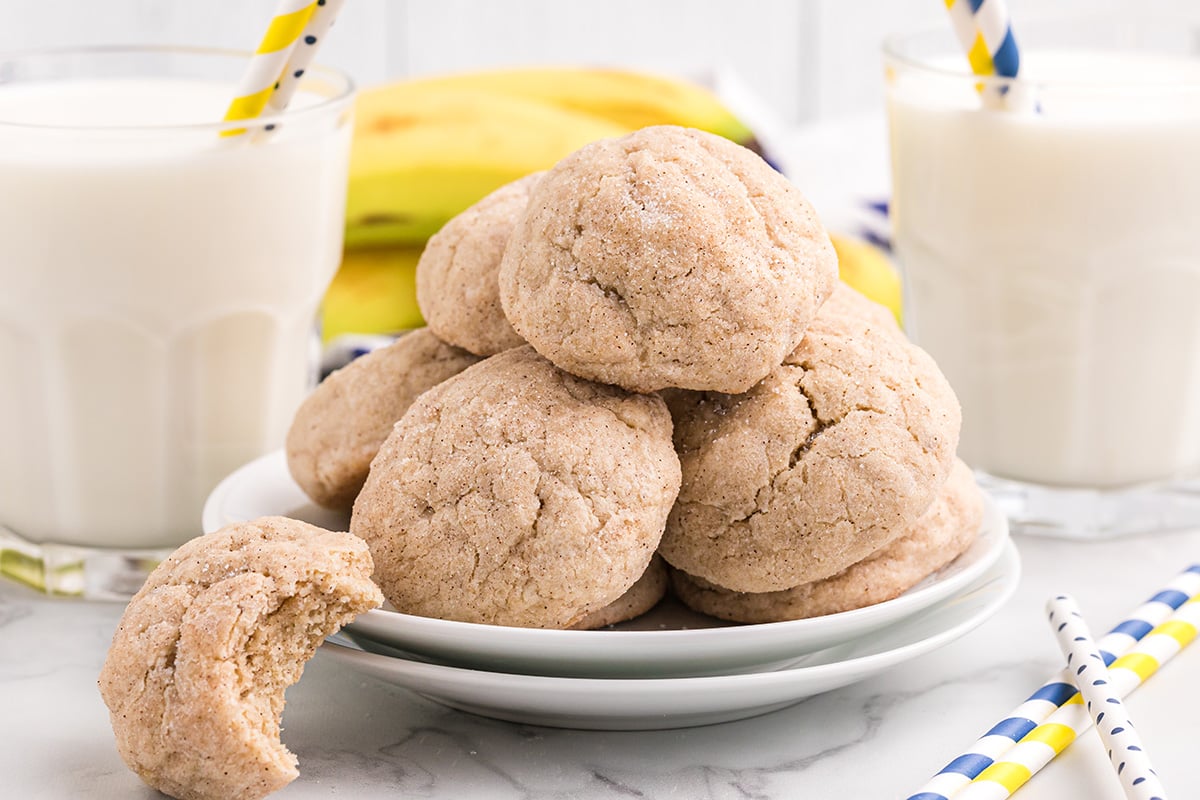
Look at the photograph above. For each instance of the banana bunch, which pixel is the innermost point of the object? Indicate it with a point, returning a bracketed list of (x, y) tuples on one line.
[(424, 150)]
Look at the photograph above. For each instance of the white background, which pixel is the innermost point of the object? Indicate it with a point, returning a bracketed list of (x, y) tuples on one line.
[(808, 60)]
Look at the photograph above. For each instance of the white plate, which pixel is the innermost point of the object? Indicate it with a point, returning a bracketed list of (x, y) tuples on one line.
[(264, 487), (646, 704), (670, 641)]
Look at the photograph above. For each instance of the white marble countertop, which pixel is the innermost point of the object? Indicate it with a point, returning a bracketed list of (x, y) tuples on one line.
[(356, 737)]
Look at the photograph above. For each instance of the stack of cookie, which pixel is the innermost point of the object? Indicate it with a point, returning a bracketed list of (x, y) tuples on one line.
[(643, 350)]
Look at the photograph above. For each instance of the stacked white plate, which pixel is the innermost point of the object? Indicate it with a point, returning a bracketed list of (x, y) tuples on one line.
[(667, 669)]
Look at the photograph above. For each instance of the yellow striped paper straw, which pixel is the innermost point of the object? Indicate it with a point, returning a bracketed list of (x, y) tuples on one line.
[(318, 26), (267, 64), (1047, 740), (1125, 749), (1050, 696)]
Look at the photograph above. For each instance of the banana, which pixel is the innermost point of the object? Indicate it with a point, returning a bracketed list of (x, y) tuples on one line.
[(628, 98), (869, 270), (374, 291), (422, 154), (426, 149)]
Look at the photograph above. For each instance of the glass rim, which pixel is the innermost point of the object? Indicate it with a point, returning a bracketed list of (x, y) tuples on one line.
[(894, 55), (343, 84)]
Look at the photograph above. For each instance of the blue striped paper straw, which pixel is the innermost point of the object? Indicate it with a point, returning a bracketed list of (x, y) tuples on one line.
[(1056, 692), (985, 32), (1039, 747)]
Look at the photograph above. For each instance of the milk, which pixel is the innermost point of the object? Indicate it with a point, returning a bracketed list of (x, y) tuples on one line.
[(157, 296), (1052, 261)]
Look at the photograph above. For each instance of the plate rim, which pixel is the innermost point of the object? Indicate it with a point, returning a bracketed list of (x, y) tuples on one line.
[(912, 602), (591, 654), (1008, 569)]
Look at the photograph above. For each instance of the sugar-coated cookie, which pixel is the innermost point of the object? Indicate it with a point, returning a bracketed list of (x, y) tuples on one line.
[(195, 675), (457, 285), (637, 600), (817, 466), (517, 494), (339, 427), (941, 534), (669, 257)]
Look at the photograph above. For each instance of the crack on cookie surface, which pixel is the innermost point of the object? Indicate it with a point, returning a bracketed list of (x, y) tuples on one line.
[(635, 222), (819, 464), (944, 531)]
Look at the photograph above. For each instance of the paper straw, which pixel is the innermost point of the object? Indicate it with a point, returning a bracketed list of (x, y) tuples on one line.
[(302, 55), (1058, 690), (266, 66), (984, 30), (1047, 740), (1107, 712)]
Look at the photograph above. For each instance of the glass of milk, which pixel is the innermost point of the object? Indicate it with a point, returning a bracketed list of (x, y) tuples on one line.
[(158, 287), (1048, 230)]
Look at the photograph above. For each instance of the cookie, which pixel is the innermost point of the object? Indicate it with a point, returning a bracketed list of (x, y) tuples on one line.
[(941, 534), (669, 257), (820, 464), (457, 285), (637, 600), (195, 676), (338, 428), (518, 494)]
